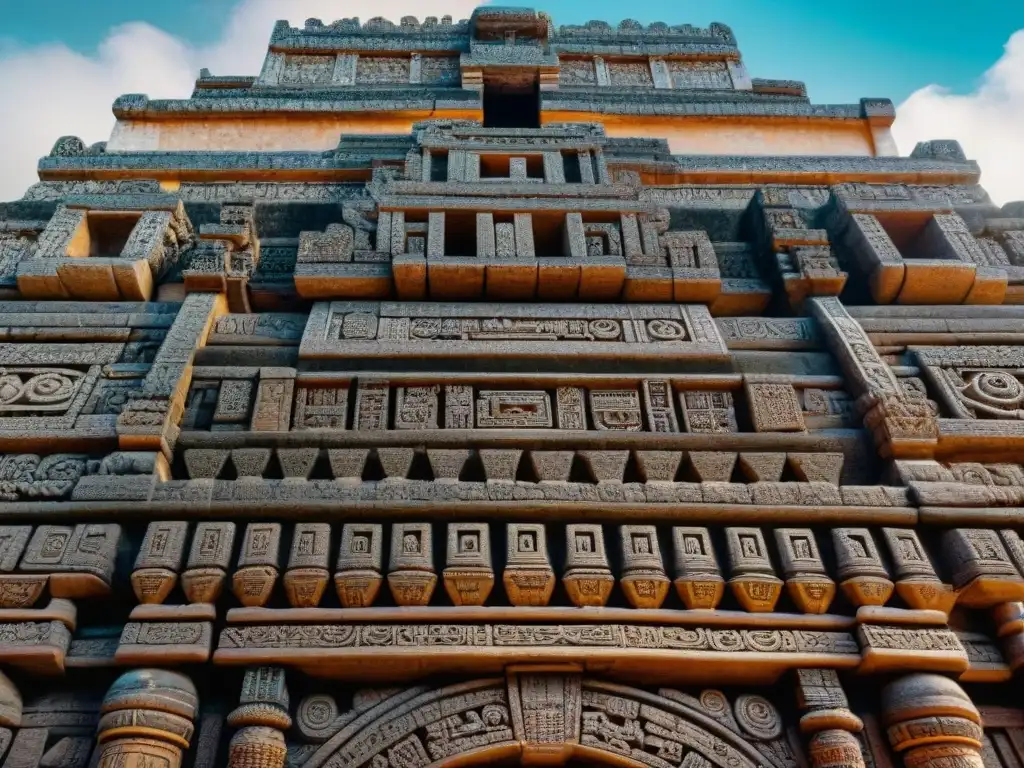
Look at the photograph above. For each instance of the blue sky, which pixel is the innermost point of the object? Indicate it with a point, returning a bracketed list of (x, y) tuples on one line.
[(864, 48), (954, 70)]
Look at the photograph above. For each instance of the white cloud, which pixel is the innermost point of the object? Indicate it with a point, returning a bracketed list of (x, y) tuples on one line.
[(988, 123), (52, 91)]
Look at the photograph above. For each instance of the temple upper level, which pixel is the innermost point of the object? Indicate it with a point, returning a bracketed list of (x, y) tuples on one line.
[(505, 67)]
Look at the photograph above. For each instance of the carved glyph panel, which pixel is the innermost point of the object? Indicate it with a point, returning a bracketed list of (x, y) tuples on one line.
[(365, 329)]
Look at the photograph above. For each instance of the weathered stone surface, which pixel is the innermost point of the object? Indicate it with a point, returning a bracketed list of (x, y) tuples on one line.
[(582, 300)]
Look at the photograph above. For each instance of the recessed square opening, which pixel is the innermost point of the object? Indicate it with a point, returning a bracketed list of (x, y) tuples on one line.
[(109, 232), (494, 166), (507, 106), (571, 167), (459, 234), (438, 165), (548, 234), (907, 232)]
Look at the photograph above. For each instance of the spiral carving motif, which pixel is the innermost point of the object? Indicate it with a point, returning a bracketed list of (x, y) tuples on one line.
[(758, 717), (997, 388), (316, 716), (714, 703), (666, 330), (604, 330), (38, 389)]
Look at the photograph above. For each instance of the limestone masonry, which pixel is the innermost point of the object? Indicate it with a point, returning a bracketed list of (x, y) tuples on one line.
[(494, 392)]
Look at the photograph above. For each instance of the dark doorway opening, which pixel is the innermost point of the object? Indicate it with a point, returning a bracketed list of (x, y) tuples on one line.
[(512, 106)]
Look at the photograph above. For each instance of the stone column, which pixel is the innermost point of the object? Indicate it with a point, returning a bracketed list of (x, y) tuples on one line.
[(827, 722), (146, 719), (932, 723), (261, 717)]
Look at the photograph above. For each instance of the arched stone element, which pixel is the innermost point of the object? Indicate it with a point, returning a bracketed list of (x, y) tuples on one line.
[(932, 722), (548, 719), (146, 720)]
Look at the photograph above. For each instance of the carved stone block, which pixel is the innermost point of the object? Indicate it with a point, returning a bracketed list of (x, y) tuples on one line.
[(372, 399), (762, 467), (205, 463), (774, 407), (347, 464), (250, 462), (458, 407), (659, 466), (416, 407), (360, 562), (253, 581), (447, 464), (297, 463), (643, 580), (698, 579), (80, 560), (159, 560), (753, 580), (587, 578), (396, 462), (500, 465), (569, 409), (708, 412), (17, 590), (165, 642), (916, 580), (513, 410), (273, 409), (552, 466), (233, 401), (806, 580), (320, 408), (982, 570), (21, 590), (606, 466), (862, 575), (529, 578), (208, 561), (411, 576), (659, 407), (616, 410), (307, 575), (817, 467), (713, 466), (469, 575)]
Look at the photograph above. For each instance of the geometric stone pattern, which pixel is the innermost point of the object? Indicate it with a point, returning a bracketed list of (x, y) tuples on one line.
[(494, 391)]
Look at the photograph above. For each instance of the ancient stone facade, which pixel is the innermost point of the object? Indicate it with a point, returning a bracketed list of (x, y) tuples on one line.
[(495, 392)]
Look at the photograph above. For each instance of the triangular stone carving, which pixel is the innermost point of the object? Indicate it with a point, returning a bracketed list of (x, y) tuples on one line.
[(762, 467), (659, 466), (713, 466), (447, 464), (552, 466), (297, 462), (606, 466), (250, 462), (205, 463), (348, 463), (811, 467), (500, 464), (396, 461)]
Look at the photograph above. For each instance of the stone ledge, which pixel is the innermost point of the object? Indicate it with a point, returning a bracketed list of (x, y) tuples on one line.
[(649, 653)]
